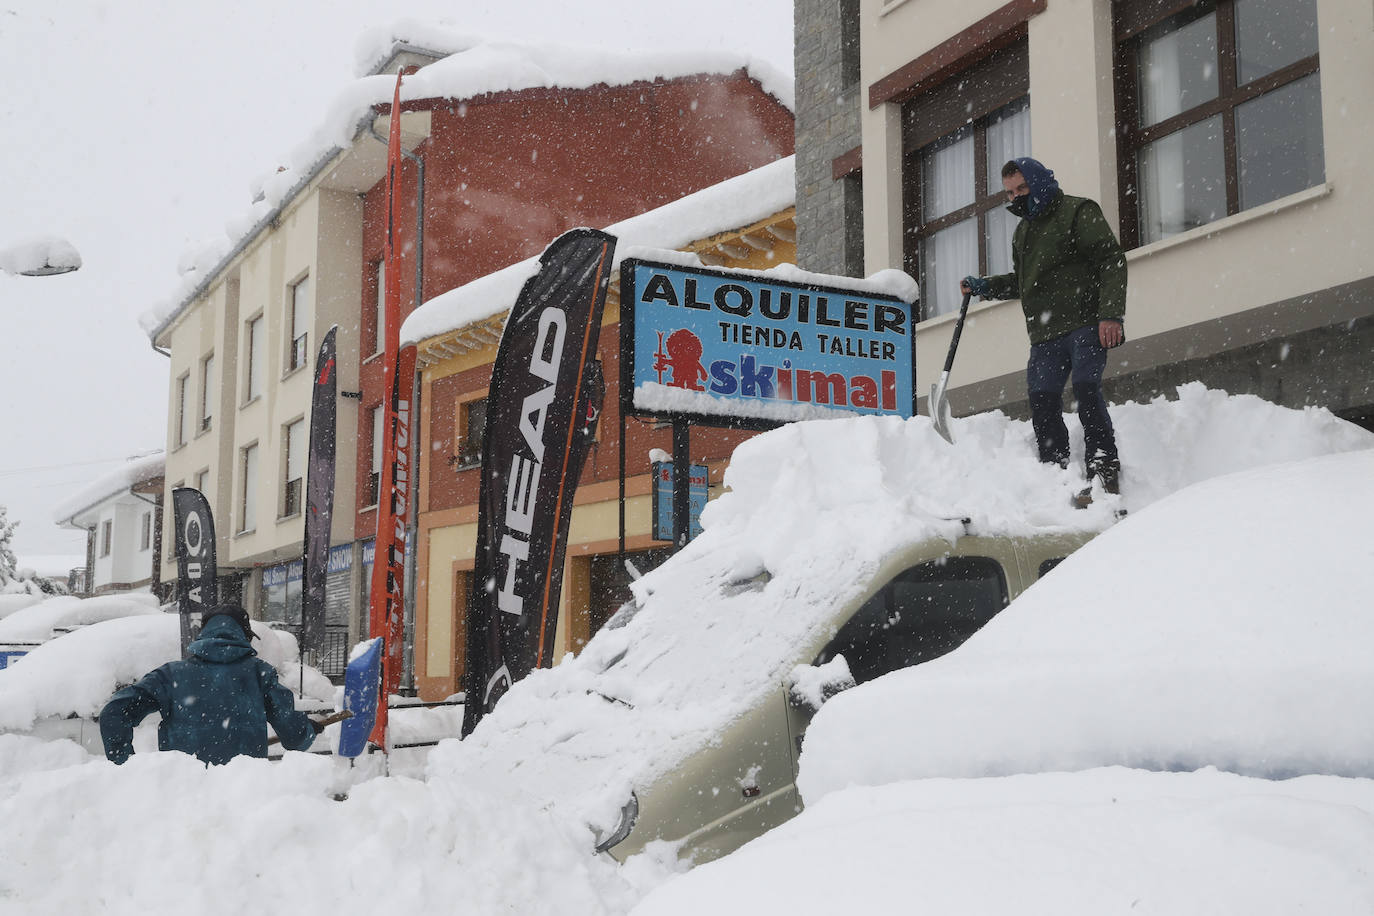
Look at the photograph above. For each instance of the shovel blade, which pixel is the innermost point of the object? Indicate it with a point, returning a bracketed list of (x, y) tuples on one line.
[(939, 409)]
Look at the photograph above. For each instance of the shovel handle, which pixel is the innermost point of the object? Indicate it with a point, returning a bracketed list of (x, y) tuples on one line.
[(958, 330), (327, 720)]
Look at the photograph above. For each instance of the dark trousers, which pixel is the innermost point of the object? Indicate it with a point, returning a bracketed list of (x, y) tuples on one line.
[(1078, 355)]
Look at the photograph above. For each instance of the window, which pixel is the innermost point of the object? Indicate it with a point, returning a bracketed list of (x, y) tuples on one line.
[(145, 538), (203, 481), (374, 476), (254, 342), (1220, 110), (955, 139), (925, 612), (207, 391), (183, 432), (294, 461), (472, 427), (106, 536), (248, 469), (379, 307), (299, 315)]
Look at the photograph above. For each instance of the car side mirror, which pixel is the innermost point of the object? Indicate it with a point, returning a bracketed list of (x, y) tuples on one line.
[(810, 686)]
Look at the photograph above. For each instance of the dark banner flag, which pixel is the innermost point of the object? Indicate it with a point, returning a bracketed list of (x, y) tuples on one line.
[(197, 587), (319, 498), (536, 440)]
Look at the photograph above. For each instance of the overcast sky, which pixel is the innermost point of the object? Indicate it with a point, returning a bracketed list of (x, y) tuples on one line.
[(135, 128)]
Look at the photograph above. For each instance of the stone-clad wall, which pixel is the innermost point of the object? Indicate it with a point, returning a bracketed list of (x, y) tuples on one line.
[(829, 216)]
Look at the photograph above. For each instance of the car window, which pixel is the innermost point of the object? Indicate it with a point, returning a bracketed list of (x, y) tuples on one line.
[(923, 613)]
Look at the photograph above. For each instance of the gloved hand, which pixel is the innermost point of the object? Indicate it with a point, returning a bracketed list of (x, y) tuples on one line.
[(977, 286), (317, 726)]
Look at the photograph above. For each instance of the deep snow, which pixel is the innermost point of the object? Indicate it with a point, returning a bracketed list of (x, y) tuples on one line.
[(504, 821)]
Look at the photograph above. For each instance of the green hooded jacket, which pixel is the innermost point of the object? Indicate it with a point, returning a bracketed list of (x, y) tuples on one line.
[(1068, 270)]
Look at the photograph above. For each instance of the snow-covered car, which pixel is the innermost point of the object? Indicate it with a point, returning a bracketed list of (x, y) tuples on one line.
[(674, 723), (34, 623), (922, 602), (1176, 720)]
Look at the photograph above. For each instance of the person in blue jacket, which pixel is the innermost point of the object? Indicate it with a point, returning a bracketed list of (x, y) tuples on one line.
[(216, 703)]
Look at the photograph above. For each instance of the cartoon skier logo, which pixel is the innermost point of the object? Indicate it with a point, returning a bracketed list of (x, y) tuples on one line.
[(683, 357)]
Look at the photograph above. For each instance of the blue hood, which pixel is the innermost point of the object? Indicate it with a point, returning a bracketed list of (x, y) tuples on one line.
[(221, 641), (1043, 188)]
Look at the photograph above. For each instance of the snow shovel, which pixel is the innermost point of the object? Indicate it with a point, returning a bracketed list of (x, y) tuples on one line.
[(939, 404)]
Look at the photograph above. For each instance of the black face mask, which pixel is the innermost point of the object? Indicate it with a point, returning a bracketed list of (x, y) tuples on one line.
[(1021, 206)]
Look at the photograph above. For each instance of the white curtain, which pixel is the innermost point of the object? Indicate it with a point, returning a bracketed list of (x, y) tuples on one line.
[(946, 258), (948, 178)]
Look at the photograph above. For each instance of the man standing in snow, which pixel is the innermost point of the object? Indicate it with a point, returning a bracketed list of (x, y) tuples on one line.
[(215, 704), (1069, 271)]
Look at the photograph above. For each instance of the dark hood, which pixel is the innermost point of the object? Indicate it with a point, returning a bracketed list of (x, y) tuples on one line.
[(221, 641), (1043, 187)]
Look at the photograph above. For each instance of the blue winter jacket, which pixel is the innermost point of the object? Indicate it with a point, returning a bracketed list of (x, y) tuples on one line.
[(215, 704)]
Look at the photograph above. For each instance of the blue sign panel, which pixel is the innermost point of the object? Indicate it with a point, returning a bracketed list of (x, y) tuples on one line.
[(10, 656), (697, 493), (712, 343)]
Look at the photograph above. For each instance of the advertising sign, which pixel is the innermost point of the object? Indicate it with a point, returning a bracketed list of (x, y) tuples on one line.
[(663, 500), (712, 344)]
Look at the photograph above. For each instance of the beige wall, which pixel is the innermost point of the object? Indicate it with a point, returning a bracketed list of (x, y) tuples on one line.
[(319, 236), (204, 329), (1235, 281)]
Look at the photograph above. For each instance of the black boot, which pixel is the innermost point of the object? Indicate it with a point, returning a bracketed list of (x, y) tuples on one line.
[(1107, 470)]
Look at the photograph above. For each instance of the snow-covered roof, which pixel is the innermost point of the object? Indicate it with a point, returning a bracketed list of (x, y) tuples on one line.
[(479, 68), (730, 204), (117, 482)]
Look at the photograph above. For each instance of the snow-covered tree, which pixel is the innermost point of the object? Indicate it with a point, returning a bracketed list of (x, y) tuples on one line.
[(9, 565)]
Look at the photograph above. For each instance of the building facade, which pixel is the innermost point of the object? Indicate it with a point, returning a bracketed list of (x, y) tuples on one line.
[(1216, 134), (121, 513), (494, 169), (747, 222)]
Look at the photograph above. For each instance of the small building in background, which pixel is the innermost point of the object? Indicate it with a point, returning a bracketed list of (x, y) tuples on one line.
[(121, 515)]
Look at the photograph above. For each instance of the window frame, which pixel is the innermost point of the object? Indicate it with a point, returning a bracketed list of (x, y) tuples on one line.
[(207, 383), (373, 484), (106, 537), (466, 454), (248, 489), (254, 342), (1131, 24), (145, 538), (297, 337), (183, 396), (968, 100), (378, 271), (293, 488)]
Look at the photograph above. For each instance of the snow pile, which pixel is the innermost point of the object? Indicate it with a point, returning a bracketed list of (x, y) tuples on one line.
[(37, 622), (136, 470), (76, 673), (480, 67), (39, 256), (818, 507), (1107, 841), (1144, 649), (164, 834), (730, 204), (376, 45)]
